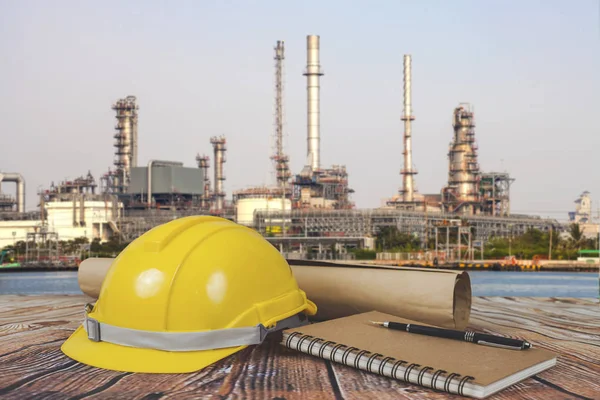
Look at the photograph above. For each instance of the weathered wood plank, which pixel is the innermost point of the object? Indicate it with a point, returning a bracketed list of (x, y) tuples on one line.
[(32, 329), (551, 324)]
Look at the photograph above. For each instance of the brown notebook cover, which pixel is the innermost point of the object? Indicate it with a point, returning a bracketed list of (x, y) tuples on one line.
[(443, 364)]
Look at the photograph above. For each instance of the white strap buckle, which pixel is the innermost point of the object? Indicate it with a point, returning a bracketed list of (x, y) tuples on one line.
[(93, 329)]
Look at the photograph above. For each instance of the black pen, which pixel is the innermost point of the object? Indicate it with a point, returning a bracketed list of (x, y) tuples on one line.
[(478, 338)]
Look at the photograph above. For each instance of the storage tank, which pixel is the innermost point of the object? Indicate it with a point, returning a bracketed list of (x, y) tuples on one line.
[(245, 208)]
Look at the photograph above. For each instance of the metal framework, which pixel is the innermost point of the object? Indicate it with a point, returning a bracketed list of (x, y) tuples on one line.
[(281, 160), (350, 227), (494, 188), (456, 240), (41, 246), (326, 188), (367, 223), (134, 223), (7, 203)]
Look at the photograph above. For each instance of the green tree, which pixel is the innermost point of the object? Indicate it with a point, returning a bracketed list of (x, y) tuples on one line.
[(364, 254), (390, 238), (577, 239)]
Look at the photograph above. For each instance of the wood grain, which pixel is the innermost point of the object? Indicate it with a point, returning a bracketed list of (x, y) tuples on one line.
[(32, 366)]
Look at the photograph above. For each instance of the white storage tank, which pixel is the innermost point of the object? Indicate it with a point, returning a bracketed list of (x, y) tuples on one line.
[(245, 208)]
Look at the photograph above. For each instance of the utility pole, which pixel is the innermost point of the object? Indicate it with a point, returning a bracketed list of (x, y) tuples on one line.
[(550, 246), (426, 230), (510, 242)]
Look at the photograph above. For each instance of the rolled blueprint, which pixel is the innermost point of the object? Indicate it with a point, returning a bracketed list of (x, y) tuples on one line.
[(432, 296)]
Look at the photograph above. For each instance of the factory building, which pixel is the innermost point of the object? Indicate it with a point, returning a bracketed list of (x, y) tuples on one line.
[(14, 230), (584, 217), (165, 184), (73, 209), (70, 210)]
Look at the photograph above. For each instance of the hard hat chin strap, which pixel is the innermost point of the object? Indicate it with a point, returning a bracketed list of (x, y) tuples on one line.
[(184, 341)]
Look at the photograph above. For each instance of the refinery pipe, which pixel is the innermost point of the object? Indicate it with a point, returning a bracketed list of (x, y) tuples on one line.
[(153, 163), (18, 179)]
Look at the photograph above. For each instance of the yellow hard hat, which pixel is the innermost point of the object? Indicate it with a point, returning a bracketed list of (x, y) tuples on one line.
[(186, 294)]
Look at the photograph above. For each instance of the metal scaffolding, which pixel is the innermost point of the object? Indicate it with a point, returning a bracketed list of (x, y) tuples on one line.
[(126, 144), (368, 223), (41, 246), (280, 159), (495, 190), (455, 240)]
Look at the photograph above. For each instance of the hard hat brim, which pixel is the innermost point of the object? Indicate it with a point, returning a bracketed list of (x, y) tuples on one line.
[(130, 359)]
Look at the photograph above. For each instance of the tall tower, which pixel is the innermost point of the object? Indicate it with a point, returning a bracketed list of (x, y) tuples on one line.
[(282, 169), (126, 142), (463, 174), (408, 187), (313, 74), (219, 157), (204, 164)]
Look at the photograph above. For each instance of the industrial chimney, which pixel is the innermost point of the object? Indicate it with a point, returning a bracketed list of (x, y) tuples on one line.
[(313, 74), (408, 187)]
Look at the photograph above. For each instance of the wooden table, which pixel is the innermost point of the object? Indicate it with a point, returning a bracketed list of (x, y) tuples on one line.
[(32, 329)]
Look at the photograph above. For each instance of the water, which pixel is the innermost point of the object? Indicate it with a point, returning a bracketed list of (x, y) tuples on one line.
[(535, 284), (60, 282), (483, 283)]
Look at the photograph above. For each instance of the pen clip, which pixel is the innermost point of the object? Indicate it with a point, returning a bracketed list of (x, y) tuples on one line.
[(498, 345)]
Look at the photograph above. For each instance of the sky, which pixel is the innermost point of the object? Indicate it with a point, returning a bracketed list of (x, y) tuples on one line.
[(529, 68)]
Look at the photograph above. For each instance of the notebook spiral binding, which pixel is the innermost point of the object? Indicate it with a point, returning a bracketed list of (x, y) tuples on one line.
[(436, 379)]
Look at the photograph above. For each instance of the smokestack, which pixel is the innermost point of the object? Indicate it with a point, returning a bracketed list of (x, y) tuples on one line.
[(313, 74), (407, 172)]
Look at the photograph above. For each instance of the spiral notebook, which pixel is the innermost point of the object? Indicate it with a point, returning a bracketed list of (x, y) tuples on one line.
[(445, 365)]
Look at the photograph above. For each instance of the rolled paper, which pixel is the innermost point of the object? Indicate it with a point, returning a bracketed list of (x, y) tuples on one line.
[(433, 296)]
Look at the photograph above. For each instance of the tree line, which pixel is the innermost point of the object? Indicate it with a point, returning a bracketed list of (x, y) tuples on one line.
[(532, 243), (78, 247)]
